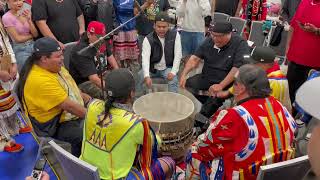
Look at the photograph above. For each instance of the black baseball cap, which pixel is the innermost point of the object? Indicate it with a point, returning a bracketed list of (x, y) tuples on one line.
[(261, 54), (221, 27), (46, 45), (162, 16), (119, 83)]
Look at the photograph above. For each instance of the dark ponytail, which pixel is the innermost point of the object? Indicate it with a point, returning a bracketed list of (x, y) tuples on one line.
[(107, 106), (24, 75)]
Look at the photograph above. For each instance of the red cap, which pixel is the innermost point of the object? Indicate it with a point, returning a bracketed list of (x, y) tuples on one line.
[(97, 28)]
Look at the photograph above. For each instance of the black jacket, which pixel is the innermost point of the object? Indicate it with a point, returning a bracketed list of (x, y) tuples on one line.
[(156, 48)]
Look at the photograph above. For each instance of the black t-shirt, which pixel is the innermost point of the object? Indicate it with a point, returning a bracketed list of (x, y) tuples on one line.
[(86, 64), (227, 6), (218, 63), (61, 17)]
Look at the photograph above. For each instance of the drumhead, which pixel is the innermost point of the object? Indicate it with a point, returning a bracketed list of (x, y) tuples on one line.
[(164, 107)]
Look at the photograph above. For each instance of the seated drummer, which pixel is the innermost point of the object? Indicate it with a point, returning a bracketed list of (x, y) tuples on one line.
[(118, 141), (257, 131), (161, 55), (86, 68), (223, 53), (50, 97)]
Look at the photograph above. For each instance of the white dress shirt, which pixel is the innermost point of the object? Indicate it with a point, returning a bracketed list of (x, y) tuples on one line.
[(146, 53)]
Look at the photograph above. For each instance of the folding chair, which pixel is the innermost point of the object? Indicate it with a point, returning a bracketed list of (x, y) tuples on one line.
[(73, 167), (220, 17), (238, 24), (67, 53), (294, 169), (256, 33)]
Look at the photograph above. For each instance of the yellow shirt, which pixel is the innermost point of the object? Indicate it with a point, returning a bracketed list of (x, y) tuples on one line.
[(111, 148), (44, 91)]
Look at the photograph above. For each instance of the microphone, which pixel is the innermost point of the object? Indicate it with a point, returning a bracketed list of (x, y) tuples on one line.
[(94, 44)]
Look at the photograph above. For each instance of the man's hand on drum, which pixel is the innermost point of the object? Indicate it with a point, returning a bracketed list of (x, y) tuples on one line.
[(148, 82), (223, 94), (182, 81), (214, 89), (170, 76)]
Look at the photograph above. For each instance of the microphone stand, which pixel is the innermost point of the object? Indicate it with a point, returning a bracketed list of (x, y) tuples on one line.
[(101, 59), (101, 56), (105, 36)]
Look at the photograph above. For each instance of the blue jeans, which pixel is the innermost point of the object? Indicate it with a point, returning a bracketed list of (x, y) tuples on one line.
[(190, 41), (172, 85), (22, 52)]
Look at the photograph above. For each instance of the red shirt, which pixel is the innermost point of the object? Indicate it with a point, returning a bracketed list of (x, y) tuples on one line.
[(259, 131), (305, 46), (28, 1)]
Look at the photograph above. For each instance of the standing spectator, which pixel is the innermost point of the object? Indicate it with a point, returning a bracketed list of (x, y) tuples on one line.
[(2, 8), (106, 14), (59, 19), (88, 8), (289, 8), (102, 11), (193, 13), (274, 9), (125, 43), (9, 124), (254, 10), (161, 55), (99, 10), (146, 20), (21, 29), (306, 35), (230, 7)]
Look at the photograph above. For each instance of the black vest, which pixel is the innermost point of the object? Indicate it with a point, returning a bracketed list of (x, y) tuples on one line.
[(156, 48)]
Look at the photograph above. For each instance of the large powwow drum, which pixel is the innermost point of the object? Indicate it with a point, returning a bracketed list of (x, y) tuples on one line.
[(171, 115)]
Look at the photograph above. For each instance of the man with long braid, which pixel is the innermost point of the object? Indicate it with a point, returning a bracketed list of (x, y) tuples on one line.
[(50, 97), (119, 142)]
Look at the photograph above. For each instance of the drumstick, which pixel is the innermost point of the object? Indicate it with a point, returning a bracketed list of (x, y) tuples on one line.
[(159, 126)]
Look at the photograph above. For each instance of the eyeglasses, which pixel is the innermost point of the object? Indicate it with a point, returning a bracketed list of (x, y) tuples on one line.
[(215, 35)]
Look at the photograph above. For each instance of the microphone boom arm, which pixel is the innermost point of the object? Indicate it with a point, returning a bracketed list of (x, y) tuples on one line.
[(108, 34)]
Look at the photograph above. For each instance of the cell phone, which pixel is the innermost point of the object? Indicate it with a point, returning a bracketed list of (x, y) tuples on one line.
[(25, 6), (38, 169), (300, 23)]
